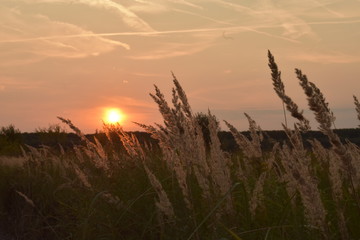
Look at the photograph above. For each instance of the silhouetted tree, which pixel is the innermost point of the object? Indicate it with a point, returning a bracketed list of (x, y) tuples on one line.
[(10, 140)]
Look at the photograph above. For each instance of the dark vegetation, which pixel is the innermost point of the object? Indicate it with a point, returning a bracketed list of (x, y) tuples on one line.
[(11, 139)]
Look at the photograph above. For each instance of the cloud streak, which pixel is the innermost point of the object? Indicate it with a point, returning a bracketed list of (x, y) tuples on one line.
[(156, 33), (129, 17), (292, 18), (173, 50), (326, 8), (78, 42), (19, 33), (187, 3), (326, 58), (20, 43)]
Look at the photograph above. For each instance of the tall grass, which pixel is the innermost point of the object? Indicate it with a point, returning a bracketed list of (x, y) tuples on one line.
[(186, 186)]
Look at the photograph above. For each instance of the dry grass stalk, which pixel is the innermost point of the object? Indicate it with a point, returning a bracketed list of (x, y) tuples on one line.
[(245, 171), (135, 151), (179, 140), (100, 150), (94, 154), (298, 171), (319, 150), (163, 203), (279, 88), (357, 107), (79, 154), (317, 103), (249, 147), (325, 118), (12, 161), (81, 175), (169, 115), (182, 96), (295, 138), (242, 172), (255, 134), (114, 200), (40, 156), (129, 141), (26, 198), (348, 159), (219, 164), (257, 196), (330, 158), (94, 151), (184, 148), (197, 159), (252, 149), (172, 159), (34, 155), (354, 152), (300, 175), (74, 128), (337, 192)]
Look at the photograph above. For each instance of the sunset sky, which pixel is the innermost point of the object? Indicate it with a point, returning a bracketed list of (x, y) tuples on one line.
[(77, 58)]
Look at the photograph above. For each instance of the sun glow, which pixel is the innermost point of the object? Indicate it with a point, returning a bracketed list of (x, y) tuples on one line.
[(113, 116)]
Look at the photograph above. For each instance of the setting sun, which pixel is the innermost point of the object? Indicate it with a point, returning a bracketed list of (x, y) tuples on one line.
[(113, 116)]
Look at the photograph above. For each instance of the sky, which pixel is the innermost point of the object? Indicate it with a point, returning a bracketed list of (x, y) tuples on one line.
[(78, 58)]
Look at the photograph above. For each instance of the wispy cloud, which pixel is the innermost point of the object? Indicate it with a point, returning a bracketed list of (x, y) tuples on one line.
[(153, 7), (220, 30), (325, 58), (219, 95), (202, 17), (151, 75), (187, 3), (128, 104), (271, 15), (328, 9), (140, 6), (173, 50), (127, 15), (22, 31), (237, 7), (14, 84), (27, 38)]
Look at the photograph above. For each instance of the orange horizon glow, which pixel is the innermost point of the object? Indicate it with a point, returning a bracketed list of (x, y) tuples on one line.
[(79, 59)]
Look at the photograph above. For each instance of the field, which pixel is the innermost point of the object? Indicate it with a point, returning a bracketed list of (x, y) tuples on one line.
[(183, 185)]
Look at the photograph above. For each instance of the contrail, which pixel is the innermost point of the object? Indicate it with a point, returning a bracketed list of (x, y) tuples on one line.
[(149, 33), (196, 30), (328, 9)]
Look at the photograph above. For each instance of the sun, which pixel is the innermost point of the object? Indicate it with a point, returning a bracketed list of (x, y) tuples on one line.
[(114, 116)]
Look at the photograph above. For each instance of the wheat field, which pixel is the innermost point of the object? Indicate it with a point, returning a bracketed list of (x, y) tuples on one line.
[(115, 186)]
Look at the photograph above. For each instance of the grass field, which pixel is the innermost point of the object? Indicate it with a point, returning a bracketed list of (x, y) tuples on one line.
[(187, 187)]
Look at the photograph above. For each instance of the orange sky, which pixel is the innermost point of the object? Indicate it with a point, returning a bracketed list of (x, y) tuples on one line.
[(74, 58)]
